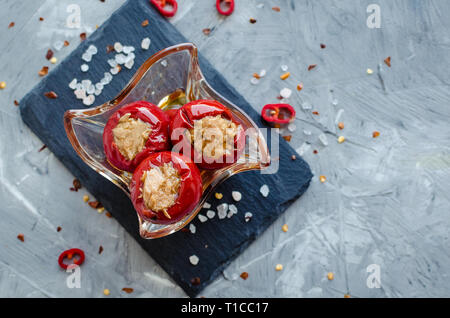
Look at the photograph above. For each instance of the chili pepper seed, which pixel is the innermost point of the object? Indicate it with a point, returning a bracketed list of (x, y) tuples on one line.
[(106, 292), (85, 198), (2, 85), (369, 71), (279, 267), (341, 139), (322, 179), (53, 60), (341, 125), (218, 196), (285, 75), (330, 276), (285, 228)]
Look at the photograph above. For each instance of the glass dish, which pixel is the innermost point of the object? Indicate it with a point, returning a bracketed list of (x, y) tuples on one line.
[(169, 79)]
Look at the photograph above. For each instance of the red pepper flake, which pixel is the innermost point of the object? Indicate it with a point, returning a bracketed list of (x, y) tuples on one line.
[(83, 36), (11, 25), (300, 87), (109, 215), (315, 152), (322, 46), (277, 9), (43, 71), (49, 54), (76, 184), (315, 113), (256, 75), (311, 67), (58, 229), (144, 23), (293, 157), (41, 19), (21, 237), (95, 204), (109, 48), (51, 95), (16, 102), (185, 230), (100, 249), (128, 290), (42, 148), (388, 61), (287, 138), (244, 275), (376, 134), (66, 43), (206, 31), (195, 281), (252, 21)]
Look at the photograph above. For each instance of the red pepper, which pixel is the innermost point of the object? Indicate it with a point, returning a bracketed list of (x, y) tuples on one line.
[(185, 120), (278, 113), (189, 193), (230, 9), (158, 139), (161, 4), (70, 254)]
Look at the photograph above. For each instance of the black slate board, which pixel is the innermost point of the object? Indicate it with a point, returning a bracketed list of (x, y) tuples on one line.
[(225, 239)]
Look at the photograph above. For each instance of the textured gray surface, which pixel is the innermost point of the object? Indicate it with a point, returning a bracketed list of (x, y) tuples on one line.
[(386, 201)]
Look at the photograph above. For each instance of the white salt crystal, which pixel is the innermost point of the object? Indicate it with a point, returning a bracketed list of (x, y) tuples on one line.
[(233, 209), (262, 73), (334, 102), (115, 70), (89, 100), (307, 132), (194, 259), (86, 57), (164, 63), (112, 62), (192, 228), (92, 49), (306, 106), (264, 190), (260, 5), (206, 205), (291, 127), (338, 116), (73, 84), (145, 44), (284, 68), (84, 68), (85, 84), (118, 47), (80, 93), (129, 64), (210, 214), (120, 58), (303, 149), (254, 81), (237, 196), (130, 57), (128, 49), (90, 89), (222, 214), (248, 216), (222, 208), (286, 92), (230, 214), (99, 86), (97, 92), (202, 218), (58, 45), (108, 77), (323, 139)]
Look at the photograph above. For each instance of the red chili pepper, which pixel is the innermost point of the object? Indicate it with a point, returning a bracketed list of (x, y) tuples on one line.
[(158, 138), (185, 120), (70, 254), (161, 4), (230, 9), (189, 193), (278, 113)]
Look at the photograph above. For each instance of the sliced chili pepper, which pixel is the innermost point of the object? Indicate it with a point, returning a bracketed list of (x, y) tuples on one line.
[(278, 113), (69, 254), (230, 9), (161, 4)]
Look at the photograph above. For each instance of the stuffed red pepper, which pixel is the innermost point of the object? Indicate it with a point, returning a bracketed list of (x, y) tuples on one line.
[(165, 187), (209, 132), (134, 132)]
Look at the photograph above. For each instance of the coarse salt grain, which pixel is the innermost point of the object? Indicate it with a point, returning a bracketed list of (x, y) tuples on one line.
[(233, 208), (202, 218), (192, 228), (248, 216), (230, 214), (323, 139), (86, 57), (237, 196), (303, 149), (145, 44), (254, 81), (164, 63), (286, 93), (118, 47), (264, 190), (284, 68), (89, 100), (129, 64), (194, 259), (206, 205), (84, 67), (291, 127), (210, 214), (262, 73), (222, 208), (73, 84)]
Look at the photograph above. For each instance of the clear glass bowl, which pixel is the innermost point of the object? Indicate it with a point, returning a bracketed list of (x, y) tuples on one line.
[(169, 79)]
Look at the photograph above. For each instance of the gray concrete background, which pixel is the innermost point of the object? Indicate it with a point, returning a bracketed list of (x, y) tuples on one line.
[(385, 202)]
